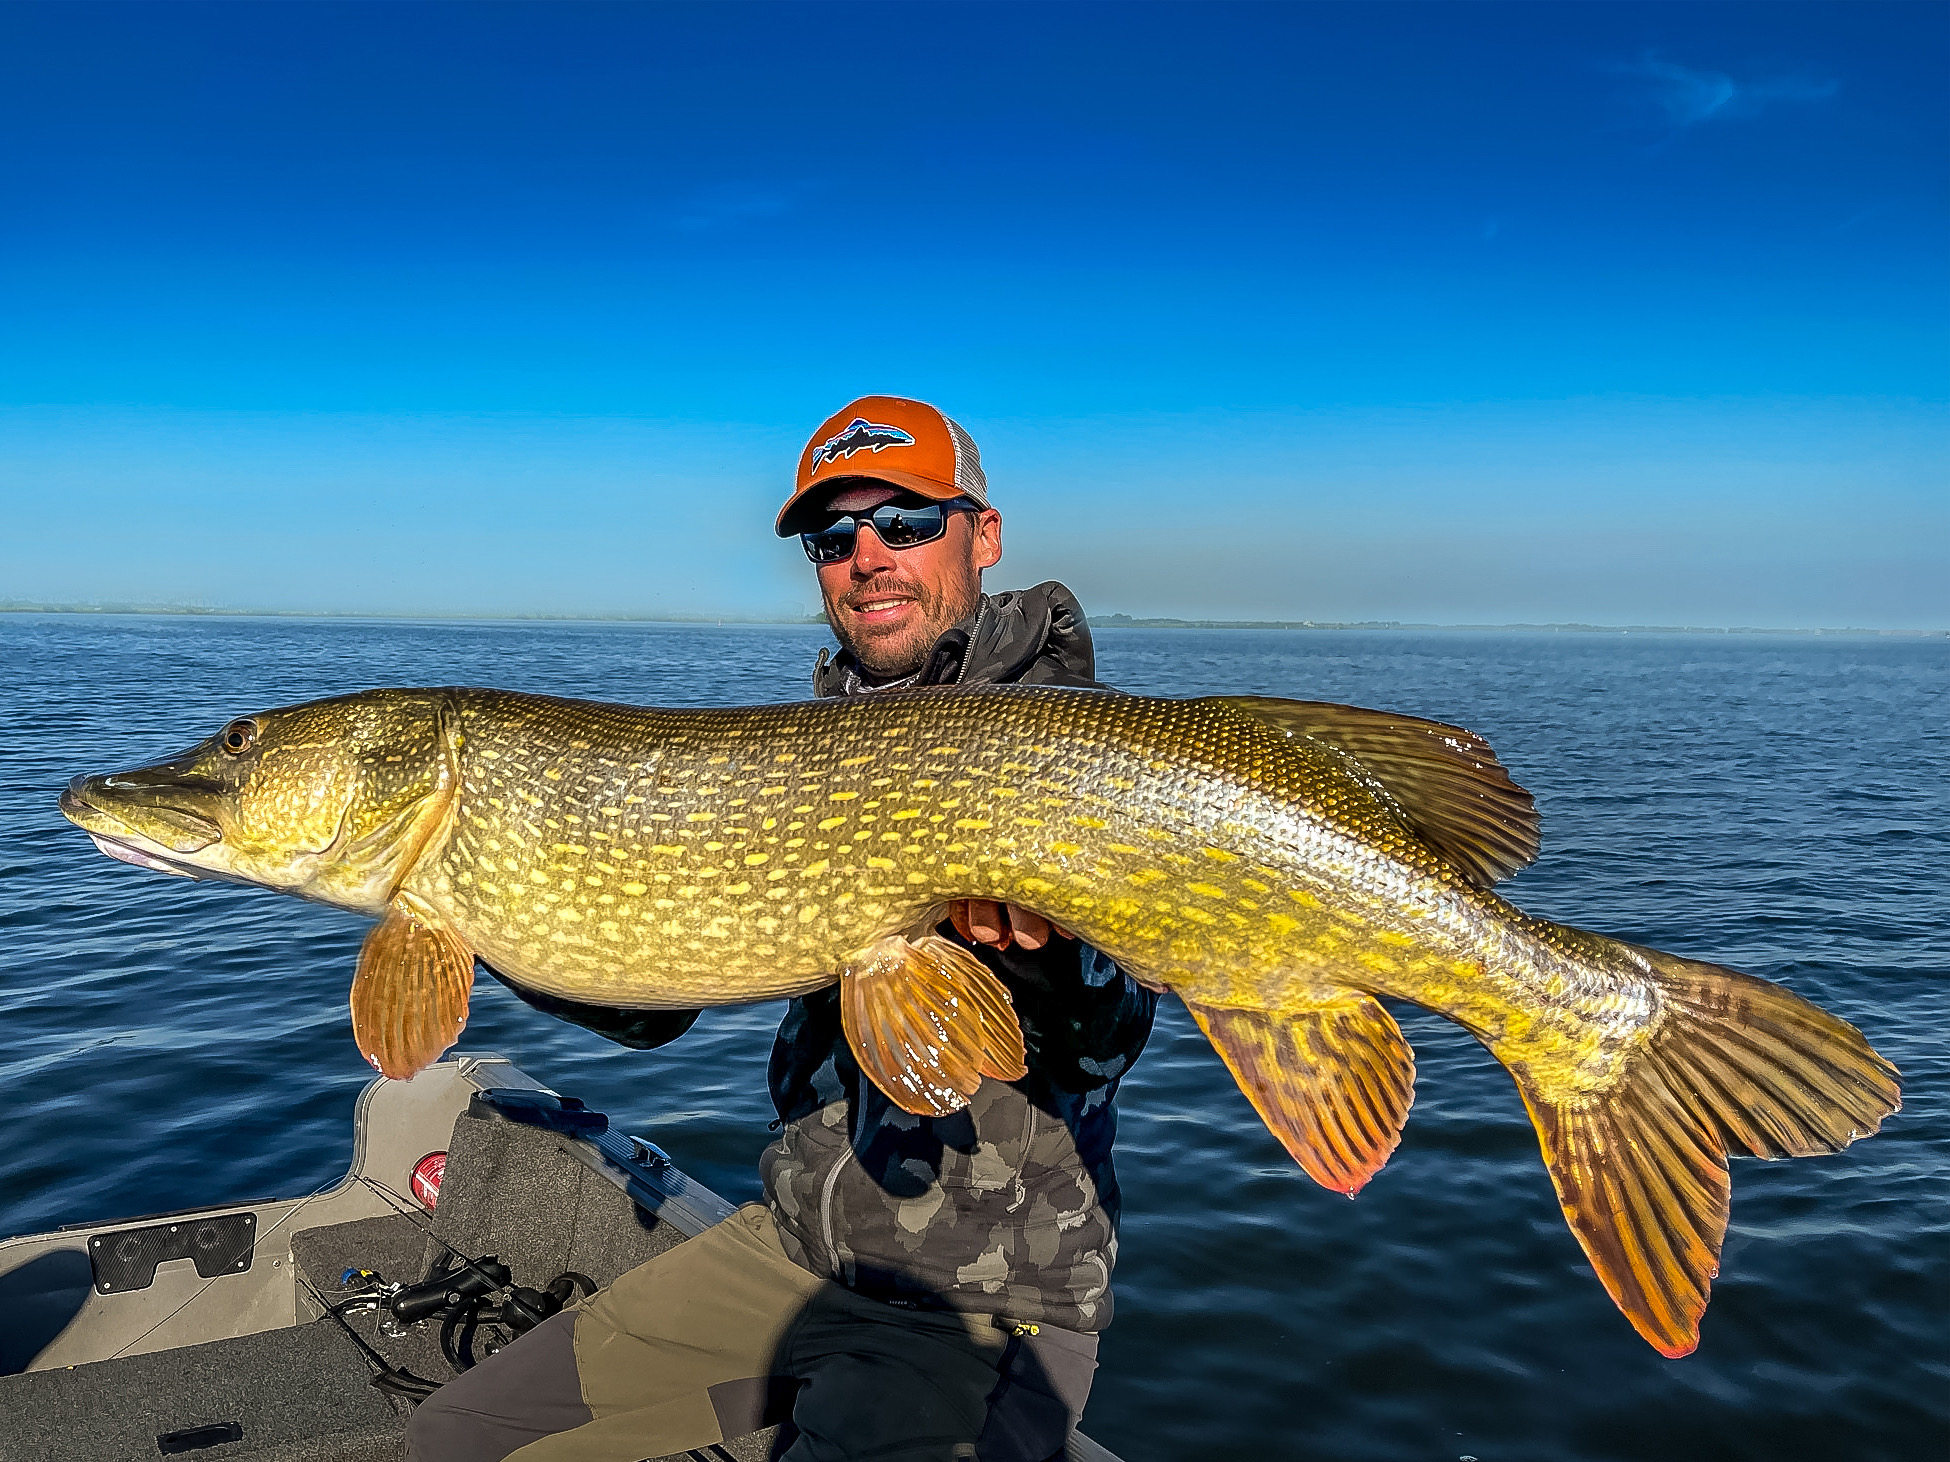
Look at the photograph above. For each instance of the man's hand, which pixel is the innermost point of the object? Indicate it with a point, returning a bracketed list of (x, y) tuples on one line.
[(984, 921)]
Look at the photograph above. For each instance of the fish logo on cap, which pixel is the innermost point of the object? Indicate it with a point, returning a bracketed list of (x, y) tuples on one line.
[(860, 435)]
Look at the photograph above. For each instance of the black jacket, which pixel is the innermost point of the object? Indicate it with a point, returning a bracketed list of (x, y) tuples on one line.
[(1009, 1207)]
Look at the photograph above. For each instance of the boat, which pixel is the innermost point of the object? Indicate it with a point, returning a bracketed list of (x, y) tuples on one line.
[(478, 1202)]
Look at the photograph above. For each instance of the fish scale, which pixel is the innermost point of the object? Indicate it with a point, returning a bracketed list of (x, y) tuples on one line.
[(588, 870), (1277, 864)]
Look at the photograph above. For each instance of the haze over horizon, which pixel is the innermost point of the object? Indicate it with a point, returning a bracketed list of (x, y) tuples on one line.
[(1447, 313)]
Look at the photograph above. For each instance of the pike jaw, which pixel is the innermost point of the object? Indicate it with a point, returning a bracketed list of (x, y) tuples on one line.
[(332, 801)]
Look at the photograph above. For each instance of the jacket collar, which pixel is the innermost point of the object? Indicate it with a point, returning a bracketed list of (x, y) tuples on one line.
[(1037, 634)]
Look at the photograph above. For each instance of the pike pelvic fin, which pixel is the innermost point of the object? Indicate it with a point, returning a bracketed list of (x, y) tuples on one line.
[(1734, 1066), (1334, 1084), (1446, 783), (927, 1021), (409, 998)]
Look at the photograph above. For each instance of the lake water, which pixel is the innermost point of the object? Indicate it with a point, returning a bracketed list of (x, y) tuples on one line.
[(1775, 803)]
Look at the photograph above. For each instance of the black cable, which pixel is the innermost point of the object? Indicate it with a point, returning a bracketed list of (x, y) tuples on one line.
[(385, 1377)]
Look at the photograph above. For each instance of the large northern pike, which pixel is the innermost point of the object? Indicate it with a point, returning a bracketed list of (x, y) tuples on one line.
[(1277, 864)]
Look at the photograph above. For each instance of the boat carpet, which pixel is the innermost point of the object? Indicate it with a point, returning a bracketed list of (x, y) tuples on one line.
[(516, 1192), (297, 1395)]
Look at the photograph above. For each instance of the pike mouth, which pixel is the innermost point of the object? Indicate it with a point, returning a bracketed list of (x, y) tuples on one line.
[(168, 834), (129, 853)]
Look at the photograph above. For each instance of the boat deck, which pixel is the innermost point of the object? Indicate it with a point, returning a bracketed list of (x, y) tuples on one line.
[(237, 1359)]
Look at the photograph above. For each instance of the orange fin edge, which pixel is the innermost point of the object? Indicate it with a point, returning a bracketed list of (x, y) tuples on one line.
[(1333, 1083)]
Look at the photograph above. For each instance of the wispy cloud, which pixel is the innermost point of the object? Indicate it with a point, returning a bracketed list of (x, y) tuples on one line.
[(723, 205), (1689, 97)]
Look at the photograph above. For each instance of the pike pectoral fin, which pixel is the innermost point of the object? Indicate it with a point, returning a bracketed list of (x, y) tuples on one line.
[(1333, 1083), (1734, 1064), (927, 1021), (409, 998)]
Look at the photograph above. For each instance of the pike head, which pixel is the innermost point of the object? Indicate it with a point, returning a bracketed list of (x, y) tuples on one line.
[(333, 800)]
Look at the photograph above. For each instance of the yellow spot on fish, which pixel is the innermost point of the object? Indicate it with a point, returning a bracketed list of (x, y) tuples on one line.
[(976, 823), (828, 824), (841, 796), (752, 860), (636, 890), (1206, 890), (880, 862)]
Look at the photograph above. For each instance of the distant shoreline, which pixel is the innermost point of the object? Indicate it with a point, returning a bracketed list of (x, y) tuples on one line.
[(1108, 621)]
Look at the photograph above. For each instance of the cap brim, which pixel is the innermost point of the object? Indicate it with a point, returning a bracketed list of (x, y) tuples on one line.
[(926, 487)]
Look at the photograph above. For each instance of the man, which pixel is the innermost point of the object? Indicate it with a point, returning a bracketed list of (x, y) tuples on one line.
[(911, 1287)]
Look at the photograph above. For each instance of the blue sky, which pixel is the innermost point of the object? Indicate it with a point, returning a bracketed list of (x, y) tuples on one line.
[(1450, 313)]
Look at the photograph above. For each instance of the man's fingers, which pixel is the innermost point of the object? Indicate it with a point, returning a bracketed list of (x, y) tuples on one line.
[(986, 924), (984, 921), (1032, 930)]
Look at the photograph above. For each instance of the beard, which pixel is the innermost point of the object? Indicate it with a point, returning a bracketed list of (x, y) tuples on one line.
[(887, 652)]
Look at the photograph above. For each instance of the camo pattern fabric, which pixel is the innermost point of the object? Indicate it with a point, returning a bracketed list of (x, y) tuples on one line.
[(1009, 1207)]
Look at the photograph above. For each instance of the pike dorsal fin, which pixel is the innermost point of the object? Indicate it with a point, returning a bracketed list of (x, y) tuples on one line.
[(409, 998), (1333, 1083), (927, 1021), (1446, 782)]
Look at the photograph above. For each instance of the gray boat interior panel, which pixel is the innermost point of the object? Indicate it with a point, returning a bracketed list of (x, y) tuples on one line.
[(530, 1197)]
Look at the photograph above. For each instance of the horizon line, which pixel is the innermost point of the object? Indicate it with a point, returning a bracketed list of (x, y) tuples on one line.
[(1108, 621)]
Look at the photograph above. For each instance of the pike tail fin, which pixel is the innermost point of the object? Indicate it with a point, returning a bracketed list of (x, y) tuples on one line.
[(1733, 1065)]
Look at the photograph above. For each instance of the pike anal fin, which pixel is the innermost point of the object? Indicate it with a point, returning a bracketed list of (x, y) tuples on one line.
[(1333, 1083), (409, 998), (1734, 1065), (927, 1021)]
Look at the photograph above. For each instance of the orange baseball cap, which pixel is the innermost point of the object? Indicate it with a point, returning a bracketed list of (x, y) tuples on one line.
[(889, 439)]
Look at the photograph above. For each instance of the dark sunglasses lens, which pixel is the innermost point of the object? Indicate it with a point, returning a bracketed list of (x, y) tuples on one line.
[(904, 527), (830, 545)]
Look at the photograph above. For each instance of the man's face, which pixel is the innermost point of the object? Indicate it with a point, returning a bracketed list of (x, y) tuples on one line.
[(888, 606)]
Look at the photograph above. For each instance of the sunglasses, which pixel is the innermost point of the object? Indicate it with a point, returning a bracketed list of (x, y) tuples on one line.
[(893, 525)]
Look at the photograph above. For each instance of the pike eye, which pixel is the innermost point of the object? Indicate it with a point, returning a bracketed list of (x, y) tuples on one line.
[(239, 736)]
